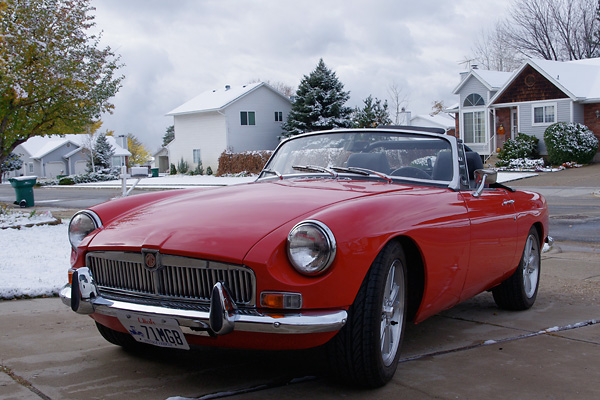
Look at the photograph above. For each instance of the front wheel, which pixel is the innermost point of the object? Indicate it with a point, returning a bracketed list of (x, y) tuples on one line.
[(367, 349), (519, 291)]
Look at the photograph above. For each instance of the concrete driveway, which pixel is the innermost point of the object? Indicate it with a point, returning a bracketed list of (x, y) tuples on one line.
[(472, 351)]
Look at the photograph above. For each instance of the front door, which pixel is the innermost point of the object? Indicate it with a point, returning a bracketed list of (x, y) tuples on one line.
[(514, 123)]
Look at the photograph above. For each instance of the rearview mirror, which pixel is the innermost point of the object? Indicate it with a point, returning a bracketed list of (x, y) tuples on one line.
[(484, 177)]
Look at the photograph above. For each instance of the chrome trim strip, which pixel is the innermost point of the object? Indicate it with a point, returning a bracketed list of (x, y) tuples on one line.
[(302, 322)]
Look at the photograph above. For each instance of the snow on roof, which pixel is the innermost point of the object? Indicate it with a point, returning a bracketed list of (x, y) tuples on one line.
[(438, 120), (216, 99), (496, 79), (580, 78), (40, 146)]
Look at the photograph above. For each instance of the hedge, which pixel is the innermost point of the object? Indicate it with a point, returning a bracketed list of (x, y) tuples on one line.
[(250, 162)]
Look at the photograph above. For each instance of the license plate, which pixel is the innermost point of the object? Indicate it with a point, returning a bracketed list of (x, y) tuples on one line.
[(157, 331)]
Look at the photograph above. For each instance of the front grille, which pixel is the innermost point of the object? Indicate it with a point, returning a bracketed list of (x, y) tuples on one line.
[(178, 279)]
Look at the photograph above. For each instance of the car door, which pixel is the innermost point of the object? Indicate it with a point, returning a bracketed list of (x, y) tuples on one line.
[(493, 240)]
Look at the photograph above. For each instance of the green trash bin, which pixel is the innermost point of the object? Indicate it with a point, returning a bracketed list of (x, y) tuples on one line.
[(24, 190), (154, 172)]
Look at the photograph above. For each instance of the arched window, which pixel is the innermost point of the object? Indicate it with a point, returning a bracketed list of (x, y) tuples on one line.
[(473, 100)]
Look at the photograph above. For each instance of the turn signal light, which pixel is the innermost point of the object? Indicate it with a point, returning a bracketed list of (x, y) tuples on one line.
[(281, 300)]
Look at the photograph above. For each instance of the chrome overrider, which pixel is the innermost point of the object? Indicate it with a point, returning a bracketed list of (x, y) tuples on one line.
[(222, 318)]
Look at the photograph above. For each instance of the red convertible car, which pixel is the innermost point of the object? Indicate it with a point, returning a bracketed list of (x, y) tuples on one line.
[(345, 237)]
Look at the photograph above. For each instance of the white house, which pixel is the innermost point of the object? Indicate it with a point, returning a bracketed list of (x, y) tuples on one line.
[(235, 118), (49, 156)]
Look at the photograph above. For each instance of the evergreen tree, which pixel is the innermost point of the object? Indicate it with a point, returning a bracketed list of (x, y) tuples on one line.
[(319, 104), (168, 136), (12, 163), (103, 152), (373, 114)]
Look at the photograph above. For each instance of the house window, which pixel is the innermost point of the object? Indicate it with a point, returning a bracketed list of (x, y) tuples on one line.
[(197, 156), (278, 116), (474, 127), (248, 118), (544, 114), (473, 100), (30, 168)]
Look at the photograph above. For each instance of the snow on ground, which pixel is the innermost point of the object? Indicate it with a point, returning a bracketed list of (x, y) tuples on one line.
[(33, 261), (12, 219)]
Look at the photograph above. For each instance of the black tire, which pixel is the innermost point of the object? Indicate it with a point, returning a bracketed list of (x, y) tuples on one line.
[(519, 291), (367, 349), (124, 340)]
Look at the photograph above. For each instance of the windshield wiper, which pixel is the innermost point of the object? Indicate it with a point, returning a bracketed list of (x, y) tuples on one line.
[(364, 172), (273, 172), (315, 168)]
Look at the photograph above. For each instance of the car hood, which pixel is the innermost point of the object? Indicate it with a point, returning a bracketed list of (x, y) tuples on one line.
[(225, 223)]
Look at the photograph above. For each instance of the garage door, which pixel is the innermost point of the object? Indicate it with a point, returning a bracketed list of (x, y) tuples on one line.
[(55, 168), (80, 167)]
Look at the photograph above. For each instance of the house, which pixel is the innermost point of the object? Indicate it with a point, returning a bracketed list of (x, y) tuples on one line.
[(440, 120), (161, 160), (495, 106), (234, 118), (50, 156)]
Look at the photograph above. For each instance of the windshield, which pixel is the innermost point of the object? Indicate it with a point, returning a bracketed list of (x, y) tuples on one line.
[(395, 155)]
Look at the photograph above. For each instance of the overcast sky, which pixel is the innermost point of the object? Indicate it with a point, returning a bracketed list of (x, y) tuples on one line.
[(177, 49)]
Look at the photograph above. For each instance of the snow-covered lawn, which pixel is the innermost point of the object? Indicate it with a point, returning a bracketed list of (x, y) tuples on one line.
[(33, 261)]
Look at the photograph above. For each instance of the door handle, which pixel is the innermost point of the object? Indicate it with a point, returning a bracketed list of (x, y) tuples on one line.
[(507, 202)]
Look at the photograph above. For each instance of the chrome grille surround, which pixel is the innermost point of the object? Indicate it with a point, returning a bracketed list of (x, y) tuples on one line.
[(178, 279)]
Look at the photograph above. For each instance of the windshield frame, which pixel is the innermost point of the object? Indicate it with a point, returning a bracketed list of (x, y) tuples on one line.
[(455, 183)]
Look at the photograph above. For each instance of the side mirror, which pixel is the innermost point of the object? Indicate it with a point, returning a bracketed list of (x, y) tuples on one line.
[(484, 177)]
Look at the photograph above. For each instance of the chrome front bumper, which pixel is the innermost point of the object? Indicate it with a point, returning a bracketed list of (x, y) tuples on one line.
[(222, 318)]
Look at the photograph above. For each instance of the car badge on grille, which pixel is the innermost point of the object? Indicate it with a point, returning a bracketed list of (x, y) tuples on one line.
[(151, 259)]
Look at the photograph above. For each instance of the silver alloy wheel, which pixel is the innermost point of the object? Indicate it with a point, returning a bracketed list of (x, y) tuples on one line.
[(531, 266), (391, 313)]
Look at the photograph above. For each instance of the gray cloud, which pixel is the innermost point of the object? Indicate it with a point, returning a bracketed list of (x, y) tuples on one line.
[(176, 49)]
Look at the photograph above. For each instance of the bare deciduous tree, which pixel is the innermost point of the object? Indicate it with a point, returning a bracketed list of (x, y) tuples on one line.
[(492, 51), (398, 101), (550, 29)]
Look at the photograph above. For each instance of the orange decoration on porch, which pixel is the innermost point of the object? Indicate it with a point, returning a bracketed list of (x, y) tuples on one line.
[(500, 130)]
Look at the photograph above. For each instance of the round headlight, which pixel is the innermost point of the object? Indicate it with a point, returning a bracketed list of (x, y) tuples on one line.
[(81, 225), (311, 247)]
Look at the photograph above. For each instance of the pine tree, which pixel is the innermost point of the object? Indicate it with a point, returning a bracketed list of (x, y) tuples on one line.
[(373, 114), (319, 104), (168, 136), (103, 152)]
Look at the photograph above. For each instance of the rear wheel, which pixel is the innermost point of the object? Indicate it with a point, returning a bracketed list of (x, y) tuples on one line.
[(519, 291), (367, 349)]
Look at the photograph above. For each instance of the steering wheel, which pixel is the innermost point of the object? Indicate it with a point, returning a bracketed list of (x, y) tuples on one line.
[(411, 172)]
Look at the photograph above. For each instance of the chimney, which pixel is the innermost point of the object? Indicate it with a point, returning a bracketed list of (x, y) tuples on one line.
[(227, 87)]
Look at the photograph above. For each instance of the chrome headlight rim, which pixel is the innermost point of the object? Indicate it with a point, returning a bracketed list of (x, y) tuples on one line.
[(92, 217), (331, 249)]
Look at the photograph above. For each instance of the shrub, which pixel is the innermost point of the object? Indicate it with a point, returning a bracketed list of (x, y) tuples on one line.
[(521, 147), (173, 170), (209, 170), (251, 162), (183, 166), (570, 142), (66, 180), (199, 169)]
